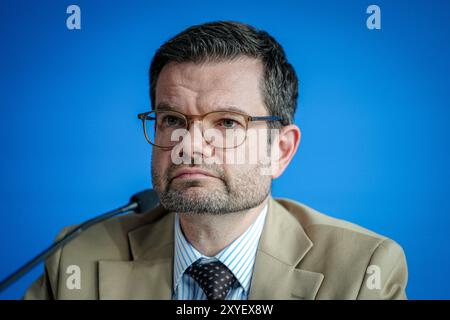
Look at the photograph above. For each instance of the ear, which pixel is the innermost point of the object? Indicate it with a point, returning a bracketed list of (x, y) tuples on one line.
[(284, 146)]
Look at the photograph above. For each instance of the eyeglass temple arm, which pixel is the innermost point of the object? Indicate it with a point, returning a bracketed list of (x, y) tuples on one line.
[(265, 118), (145, 115)]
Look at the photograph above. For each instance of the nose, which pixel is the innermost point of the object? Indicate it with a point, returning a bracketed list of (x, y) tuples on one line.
[(193, 147)]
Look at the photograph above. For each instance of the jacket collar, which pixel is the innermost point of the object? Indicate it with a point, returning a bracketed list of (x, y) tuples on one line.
[(283, 245), (149, 273)]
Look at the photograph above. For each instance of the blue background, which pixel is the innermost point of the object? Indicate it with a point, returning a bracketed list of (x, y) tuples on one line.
[(373, 109)]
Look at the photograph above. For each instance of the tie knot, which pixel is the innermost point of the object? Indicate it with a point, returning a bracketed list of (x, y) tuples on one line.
[(214, 278)]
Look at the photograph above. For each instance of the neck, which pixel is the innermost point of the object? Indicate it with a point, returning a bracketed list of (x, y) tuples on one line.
[(209, 234)]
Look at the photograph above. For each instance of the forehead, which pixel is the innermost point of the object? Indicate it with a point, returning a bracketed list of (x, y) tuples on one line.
[(197, 88)]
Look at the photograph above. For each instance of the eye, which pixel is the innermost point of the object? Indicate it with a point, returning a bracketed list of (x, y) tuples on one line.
[(228, 123), (172, 121)]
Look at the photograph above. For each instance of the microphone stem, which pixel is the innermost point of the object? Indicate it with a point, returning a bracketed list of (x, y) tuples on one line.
[(56, 245)]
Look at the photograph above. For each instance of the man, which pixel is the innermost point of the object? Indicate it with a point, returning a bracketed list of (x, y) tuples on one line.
[(218, 233)]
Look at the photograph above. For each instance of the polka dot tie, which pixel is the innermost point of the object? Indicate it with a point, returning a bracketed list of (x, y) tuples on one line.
[(213, 277)]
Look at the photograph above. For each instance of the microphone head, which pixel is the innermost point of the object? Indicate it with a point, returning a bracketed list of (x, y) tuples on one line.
[(146, 200)]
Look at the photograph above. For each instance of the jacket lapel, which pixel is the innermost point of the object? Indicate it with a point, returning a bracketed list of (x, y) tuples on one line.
[(149, 274), (282, 246)]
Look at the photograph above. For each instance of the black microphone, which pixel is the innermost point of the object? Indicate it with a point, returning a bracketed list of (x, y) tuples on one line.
[(141, 202)]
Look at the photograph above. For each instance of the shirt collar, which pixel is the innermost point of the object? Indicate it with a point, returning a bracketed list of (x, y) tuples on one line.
[(186, 254)]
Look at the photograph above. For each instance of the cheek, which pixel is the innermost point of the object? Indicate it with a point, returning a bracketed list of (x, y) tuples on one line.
[(234, 158), (161, 160), (255, 148)]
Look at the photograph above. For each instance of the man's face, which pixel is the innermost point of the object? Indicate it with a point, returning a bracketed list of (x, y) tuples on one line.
[(196, 89)]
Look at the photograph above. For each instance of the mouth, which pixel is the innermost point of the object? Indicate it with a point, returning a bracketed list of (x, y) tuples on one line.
[(193, 174), (186, 176)]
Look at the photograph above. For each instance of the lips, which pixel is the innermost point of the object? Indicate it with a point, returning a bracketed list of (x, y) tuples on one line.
[(192, 174)]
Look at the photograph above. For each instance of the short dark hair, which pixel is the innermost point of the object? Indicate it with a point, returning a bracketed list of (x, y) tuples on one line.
[(228, 40)]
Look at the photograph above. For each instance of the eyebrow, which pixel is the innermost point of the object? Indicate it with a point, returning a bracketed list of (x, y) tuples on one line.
[(168, 107)]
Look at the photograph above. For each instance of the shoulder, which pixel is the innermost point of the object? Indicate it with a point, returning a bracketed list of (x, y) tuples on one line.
[(312, 219), (344, 237), (109, 239), (347, 254)]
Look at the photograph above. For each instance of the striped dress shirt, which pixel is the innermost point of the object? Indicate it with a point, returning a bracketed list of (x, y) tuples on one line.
[(239, 257)]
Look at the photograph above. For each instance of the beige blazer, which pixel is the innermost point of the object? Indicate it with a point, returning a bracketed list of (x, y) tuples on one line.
[(302, 254)]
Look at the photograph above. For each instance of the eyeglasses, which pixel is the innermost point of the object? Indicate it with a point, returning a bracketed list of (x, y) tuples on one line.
[(220, 129)]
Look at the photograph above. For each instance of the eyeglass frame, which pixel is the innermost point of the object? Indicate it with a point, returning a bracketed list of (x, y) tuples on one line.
[(143, 116)]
